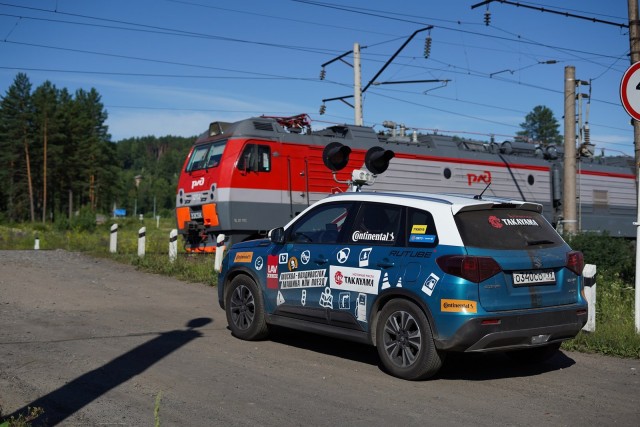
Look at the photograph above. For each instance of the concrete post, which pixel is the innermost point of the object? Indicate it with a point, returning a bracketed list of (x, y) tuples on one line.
[(589, 277), (569, 187), (141, 241), (113, 239), (173, 245)]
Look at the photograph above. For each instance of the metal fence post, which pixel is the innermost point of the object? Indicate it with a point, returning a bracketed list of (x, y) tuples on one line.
[(173, 245), (113, 239), (141, 241), (589, 276)]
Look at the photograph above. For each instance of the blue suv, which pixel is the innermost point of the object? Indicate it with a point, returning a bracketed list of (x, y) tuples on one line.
[(416, 275)]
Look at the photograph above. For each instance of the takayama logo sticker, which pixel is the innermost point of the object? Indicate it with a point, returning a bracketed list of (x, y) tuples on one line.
[(495, 221), (243, 257), (272, 272), (458, 306), (354, 279)]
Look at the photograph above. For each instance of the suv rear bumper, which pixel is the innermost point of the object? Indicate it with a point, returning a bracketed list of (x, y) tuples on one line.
[(507, 331)]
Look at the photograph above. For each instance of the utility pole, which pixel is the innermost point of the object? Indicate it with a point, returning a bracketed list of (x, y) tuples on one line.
[(634, 47), (357, 84), (569, 183)]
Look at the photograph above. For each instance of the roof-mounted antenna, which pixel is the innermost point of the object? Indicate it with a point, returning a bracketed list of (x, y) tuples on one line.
[(479, 196)]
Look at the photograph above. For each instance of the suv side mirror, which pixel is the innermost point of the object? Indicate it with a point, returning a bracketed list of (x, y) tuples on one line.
[(277, 235)]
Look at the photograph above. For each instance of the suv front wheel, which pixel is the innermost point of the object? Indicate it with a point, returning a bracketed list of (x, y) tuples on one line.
[(405, 343), (244, 309)]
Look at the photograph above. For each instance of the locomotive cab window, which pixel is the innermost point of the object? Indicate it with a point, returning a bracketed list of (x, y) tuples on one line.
[(255, 158), (206, 156)]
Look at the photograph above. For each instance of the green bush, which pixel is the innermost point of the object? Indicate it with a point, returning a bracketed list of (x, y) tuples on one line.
[(614, 254)]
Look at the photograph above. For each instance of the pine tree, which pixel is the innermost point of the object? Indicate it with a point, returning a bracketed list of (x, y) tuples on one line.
[(46, 135), (16, 135), (541, 126)]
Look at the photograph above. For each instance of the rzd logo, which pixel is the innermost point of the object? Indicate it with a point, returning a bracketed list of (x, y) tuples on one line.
[(197, 183)]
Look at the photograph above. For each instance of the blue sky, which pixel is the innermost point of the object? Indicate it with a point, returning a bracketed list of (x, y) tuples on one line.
[(172, 66)]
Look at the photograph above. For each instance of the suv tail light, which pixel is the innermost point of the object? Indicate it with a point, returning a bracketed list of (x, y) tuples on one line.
[(472, 268), (575, 262)]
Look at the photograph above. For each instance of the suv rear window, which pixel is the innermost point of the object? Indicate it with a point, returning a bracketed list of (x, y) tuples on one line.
[(506, 229)]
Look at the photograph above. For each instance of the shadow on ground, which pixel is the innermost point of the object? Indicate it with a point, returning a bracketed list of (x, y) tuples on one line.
[(63, 402), (457, 366)]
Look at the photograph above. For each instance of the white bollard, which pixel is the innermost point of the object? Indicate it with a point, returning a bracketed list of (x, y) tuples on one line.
[(220, 247), (589, 277), (141, 241), (36, 245), (173, 245), (113, 239)]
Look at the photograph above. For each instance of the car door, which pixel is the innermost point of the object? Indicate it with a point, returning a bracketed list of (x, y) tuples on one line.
[(362, 266), (304, 260)]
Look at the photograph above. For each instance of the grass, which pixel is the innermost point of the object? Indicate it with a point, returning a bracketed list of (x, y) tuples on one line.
[(187, 267), (22, 420), (615, 330)]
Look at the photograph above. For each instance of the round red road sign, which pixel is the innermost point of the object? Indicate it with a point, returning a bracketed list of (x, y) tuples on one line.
[(630, 90)]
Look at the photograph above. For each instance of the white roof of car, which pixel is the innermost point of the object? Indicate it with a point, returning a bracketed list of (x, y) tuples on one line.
[(454, 202)]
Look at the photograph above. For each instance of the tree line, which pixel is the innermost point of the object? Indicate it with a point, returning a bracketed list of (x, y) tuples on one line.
[(57, 158)]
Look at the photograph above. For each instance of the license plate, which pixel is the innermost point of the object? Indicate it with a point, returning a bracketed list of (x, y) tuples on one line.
[(196, 215), (537, 277)]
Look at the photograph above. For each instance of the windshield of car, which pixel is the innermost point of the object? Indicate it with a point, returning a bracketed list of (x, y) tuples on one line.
[(506, 229)]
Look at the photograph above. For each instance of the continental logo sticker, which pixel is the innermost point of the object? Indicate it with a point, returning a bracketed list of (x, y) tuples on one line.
[(418, 229), (243, 257), (458, 306)]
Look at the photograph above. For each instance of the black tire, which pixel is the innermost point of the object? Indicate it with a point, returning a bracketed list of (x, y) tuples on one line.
[(405, 342), (534, 354), (245, 311)]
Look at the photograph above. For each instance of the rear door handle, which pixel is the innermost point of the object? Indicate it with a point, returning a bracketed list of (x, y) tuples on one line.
[(320, 260), (385, 263)]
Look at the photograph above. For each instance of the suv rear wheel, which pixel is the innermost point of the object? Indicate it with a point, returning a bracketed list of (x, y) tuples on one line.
[(244, 309), (405, 343)]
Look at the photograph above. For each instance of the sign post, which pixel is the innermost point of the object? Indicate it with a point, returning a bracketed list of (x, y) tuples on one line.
[(630, 97)]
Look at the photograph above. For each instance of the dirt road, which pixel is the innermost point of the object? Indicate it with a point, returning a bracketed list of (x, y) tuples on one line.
[(95, 343)]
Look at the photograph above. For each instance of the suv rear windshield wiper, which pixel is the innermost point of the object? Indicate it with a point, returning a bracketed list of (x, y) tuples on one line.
[(539, 242)]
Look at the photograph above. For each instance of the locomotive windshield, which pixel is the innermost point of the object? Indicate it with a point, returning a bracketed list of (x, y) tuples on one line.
[(206, 156)]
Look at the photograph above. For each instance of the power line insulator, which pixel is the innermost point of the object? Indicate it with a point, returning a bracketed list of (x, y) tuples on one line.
[(323, 74), (323, 108), (427, 47), (487, 18)]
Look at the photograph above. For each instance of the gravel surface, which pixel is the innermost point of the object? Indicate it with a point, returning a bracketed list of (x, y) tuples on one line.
[(95, 343)]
